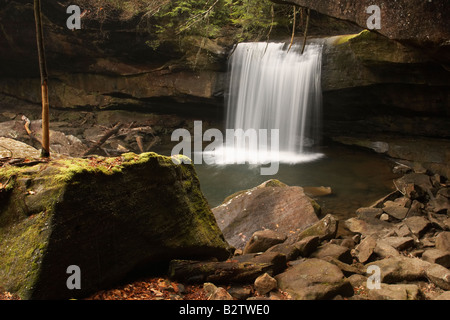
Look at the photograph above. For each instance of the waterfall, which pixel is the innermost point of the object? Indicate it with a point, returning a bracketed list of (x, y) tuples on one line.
[(271, 87)]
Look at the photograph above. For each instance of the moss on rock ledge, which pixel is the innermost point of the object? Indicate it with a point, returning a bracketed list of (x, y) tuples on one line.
[(109, 216)]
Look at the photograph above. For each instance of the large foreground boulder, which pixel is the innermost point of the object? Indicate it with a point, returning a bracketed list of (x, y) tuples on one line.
[(108, 216), (271, 205)]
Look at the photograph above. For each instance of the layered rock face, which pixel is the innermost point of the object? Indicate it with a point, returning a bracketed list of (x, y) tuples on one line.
[(372, 82), (109, 217), (420, 23), (105, 64)]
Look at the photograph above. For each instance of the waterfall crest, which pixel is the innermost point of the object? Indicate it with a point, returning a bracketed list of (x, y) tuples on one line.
[(271, 87)]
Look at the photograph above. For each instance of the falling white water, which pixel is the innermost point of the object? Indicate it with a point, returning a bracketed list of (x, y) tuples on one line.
[(272, 87)]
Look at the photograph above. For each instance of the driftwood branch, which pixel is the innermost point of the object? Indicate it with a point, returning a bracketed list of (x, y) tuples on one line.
[(28, 130), (306, 30), (293, 29), (105, 137)]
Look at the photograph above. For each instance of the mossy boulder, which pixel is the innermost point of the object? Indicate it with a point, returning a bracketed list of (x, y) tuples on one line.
[(111, 217)]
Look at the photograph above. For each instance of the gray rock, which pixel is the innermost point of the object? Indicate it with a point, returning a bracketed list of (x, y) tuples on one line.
[(418, 225), (307, 245), (443, 241), (240, 293), (314, 279), (271, 205), (221, 294), (403, 231), (263, 240), (399, 269), (16, 149), (290, 251), (396, 211), (369, 226), (347, 269), (265, 283), (439, 275), (440, 204), (335, 251), (325, 229), (399, 243), (385, 250), (366, 248), (357, 280), (422, 183), (443, 296), (437, 256), (276, 260), (209, 289), (396, 292), (369, 212)]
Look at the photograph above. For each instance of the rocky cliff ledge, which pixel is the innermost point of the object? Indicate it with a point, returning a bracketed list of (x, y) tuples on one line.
[(423, 24)]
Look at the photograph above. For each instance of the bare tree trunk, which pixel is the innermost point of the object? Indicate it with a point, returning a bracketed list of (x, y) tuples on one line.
[(306, 30), (44, 80)]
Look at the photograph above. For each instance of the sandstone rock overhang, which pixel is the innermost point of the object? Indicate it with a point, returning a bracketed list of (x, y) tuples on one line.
[(419, 23)]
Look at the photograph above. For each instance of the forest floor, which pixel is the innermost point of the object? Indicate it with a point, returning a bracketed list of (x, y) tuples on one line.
[(155, 288)]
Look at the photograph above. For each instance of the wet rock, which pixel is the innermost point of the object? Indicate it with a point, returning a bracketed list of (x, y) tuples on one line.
[(271, 205), (317, 191), (314, 279), (263, 240)]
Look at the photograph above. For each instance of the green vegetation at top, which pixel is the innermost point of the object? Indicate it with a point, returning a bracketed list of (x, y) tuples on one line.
[(251, 19)]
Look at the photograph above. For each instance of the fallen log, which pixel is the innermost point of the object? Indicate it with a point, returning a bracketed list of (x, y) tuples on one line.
[(229, 271)]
